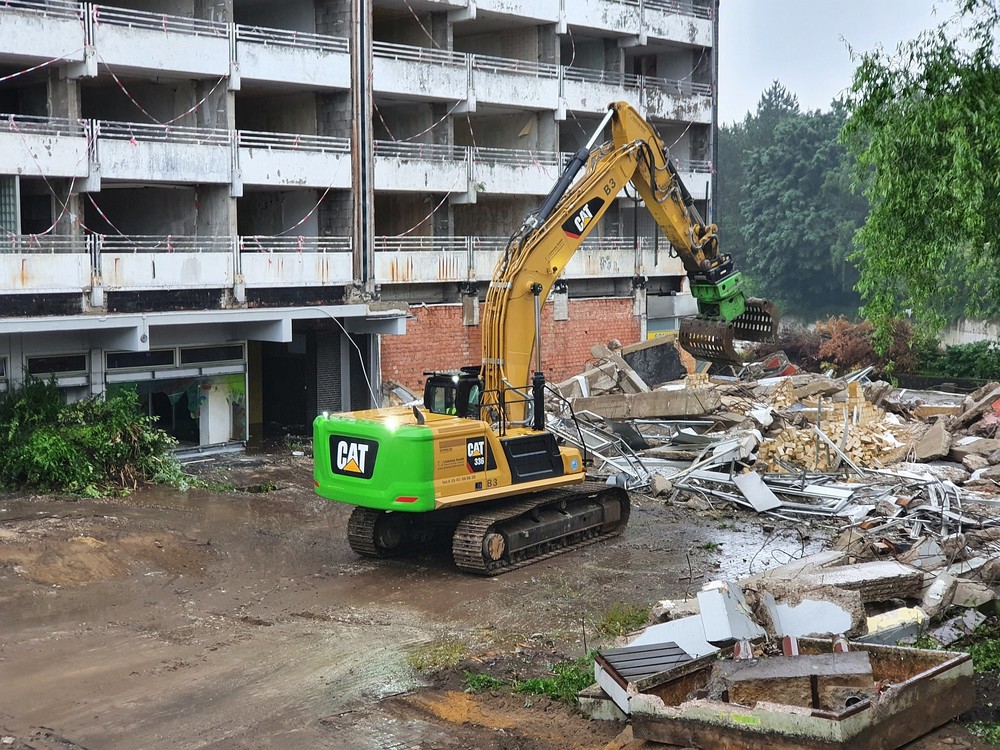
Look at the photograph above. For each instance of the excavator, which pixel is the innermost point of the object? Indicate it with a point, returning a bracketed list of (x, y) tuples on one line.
[(475, 466)]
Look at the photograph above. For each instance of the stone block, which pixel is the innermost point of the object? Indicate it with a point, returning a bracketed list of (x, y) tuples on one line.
[(725, 614), (934, 444)]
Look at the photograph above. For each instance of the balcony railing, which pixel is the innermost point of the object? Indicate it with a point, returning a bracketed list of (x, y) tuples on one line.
[(42, 244), (284, 38), (46, 7), (138, 131), (139, 19), (262, 244), (680, 8), (29, 124), (293, 142), (423, 151), (408, 53)]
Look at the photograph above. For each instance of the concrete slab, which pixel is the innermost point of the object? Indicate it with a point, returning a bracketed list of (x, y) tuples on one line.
[(934, 444), (686, 632), (939, 594), (875, 581), (725, 614), (652, 405), (816, 616)]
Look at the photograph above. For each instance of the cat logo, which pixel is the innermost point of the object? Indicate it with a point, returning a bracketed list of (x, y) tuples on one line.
[(353, 457), (475, 453), (577, 224)]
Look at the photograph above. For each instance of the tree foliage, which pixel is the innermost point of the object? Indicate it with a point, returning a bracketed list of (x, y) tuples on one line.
[(924, 128), (88, 447), (786, 208)]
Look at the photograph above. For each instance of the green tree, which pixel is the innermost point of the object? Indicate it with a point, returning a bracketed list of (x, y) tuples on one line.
[(799, 216), (923, 125), (736, 142)]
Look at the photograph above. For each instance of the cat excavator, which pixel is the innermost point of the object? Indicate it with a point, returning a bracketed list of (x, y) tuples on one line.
[(475, 467)]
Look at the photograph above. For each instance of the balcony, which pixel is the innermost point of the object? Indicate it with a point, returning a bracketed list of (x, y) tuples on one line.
[(279, 56), (587, 90), (31, 264), (44, 264), (421, 167), (44, 146), (42, 29), (677, 100), (283, 159), (515, 83), (677, 21), (139, 42), (141, 263), (271, 262), (612, 16), (536, 11), (419, 73), (496, 170), (163, 153)]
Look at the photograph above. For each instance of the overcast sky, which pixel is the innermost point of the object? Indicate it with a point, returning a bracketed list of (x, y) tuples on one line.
[(804, 45)]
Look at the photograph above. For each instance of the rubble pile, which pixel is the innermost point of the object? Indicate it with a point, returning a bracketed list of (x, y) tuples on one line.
[(805, 653), (902, 478)]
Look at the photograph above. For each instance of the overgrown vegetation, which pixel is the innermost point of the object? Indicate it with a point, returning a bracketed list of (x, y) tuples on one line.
[(622, 618), (437, 655), (562, 683), (91, 447), (841, 346)]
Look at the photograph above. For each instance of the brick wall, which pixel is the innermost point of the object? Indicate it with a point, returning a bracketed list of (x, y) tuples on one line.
[(436, 339)]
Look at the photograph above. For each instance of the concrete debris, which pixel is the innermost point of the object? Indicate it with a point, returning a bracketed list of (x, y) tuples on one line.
[(908, 482)]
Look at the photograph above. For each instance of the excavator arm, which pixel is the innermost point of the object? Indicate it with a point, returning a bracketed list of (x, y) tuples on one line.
[(539, 250)]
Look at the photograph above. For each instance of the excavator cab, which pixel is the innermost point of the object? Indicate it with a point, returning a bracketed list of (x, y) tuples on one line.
[(454, 392)]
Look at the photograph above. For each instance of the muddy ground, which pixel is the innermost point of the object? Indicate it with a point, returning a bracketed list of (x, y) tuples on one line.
[(234, 619)]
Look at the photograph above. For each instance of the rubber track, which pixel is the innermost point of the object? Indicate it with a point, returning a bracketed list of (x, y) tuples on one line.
[(361, 532), (467, 542)]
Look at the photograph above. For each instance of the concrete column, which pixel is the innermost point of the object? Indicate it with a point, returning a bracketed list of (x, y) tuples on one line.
[(333, 17), (67, 205)]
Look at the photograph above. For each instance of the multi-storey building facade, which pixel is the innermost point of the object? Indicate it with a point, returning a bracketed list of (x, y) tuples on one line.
[(177, 199)]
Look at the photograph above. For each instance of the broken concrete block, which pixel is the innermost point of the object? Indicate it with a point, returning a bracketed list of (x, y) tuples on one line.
[(966, 446), (667, 610), (725, 614), (975, 461), (889, 628), (875, 581), (657, 360), (686, 632), (821, 613), (808, 564), (934, 444), (823, 681), (972, 594), (939, 594), (655, 404), (660, 485), (977, 403)]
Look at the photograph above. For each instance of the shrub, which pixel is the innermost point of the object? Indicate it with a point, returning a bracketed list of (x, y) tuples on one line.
[(89, 447)]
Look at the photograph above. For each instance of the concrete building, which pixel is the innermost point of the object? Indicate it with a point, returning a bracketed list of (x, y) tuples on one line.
[(177, 192)]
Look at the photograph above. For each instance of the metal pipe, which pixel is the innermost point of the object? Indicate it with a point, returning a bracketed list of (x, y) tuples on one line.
[(538, 379), (559, 189)]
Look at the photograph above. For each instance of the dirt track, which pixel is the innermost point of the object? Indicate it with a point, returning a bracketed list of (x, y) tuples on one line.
[(239, 619)]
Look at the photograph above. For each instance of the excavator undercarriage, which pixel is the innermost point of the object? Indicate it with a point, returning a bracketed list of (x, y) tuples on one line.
[(502, 536)]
